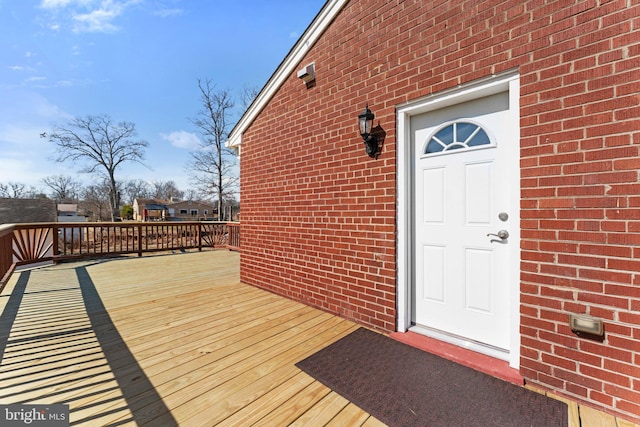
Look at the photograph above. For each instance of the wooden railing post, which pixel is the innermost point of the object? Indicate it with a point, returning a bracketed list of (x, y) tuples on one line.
[(139, 227), (233, 238), (7, 264), (56, 242), (200, 231)]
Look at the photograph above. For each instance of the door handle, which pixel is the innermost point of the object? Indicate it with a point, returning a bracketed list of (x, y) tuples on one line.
[(502, 235)]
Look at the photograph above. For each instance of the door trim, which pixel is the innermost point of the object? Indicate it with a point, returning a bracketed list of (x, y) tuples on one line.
[(405, 204)]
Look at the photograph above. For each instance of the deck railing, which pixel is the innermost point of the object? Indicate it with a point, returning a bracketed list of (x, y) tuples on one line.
[(22, 244), (233, 241), (6, 255)]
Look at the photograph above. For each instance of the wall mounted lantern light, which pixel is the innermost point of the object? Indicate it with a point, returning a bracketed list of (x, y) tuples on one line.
[(365, 123)]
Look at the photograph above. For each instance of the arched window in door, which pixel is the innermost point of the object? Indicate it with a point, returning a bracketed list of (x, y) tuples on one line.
[(456, 136)]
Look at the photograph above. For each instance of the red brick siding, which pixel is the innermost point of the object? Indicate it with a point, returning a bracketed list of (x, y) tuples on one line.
[(318, 215)]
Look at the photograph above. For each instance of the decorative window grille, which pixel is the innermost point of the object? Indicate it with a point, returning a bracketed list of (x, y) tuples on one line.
[(457, 136)]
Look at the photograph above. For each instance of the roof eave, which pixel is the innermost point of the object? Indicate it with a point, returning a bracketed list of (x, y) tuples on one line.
[(286, 67)]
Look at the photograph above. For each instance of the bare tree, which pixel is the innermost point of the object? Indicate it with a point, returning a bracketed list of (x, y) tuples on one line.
[(95, 202), (12, 190), (247, 95), (191, 194), (18, 190), (102, 145), (212, 167), (63, 187), (135, 189), (166, 190)]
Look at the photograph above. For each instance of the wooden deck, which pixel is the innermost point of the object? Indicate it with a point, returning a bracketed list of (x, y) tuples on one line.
[(170, 340)]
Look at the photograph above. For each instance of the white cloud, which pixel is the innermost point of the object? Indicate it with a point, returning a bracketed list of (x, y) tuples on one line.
[(20, 136), (98, 20), (165, 13), (22, 69), (35, 79), (46, 110), (82, 16), (182, 139), (55, 4), (30, 112)]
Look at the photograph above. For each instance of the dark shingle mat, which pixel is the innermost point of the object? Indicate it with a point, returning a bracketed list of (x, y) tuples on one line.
[(403, 386)]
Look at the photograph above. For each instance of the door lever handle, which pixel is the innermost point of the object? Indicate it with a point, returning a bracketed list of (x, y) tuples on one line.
[(502, 234)]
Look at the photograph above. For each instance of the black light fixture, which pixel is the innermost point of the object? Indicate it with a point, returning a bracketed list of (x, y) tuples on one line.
[(365, 123)]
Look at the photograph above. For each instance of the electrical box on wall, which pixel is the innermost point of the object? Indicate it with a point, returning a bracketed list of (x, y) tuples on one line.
[(308, 73)]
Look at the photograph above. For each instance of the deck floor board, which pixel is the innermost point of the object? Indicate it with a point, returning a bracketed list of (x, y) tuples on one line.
[(168, 339), (160, 340)]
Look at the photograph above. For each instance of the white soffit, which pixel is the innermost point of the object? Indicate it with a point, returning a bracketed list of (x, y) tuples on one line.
[(287, 66)]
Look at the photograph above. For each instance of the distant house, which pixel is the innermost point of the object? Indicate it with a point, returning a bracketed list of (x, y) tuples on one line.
[(67, 209), (189, 210), (18, 211), (149, 210), (68, 212)]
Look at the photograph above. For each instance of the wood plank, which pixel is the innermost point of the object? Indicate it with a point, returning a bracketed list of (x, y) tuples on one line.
[(592, 417), (351, 415), (295, 407), (373, 422), (625, 423), (168, 373), (174, 375), (258, 408), (252, 368), (176, 370), (322, 412), (246, 388)]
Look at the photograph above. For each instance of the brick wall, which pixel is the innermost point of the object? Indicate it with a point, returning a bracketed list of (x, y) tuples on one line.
[(318, 215), (580, 219)]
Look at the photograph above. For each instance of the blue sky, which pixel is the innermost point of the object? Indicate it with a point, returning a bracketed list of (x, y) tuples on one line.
[(135, 60)]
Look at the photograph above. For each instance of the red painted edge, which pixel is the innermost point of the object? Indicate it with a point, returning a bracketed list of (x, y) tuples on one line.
[(480, 362)]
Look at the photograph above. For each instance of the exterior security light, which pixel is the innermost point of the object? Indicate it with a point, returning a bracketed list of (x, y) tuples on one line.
[(365, 123), (586, 324)]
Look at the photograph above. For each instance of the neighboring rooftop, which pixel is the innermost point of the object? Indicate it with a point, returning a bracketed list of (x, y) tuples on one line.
[(18, 211)]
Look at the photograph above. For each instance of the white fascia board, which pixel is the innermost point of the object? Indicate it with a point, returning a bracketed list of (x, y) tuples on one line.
[(299, 50)]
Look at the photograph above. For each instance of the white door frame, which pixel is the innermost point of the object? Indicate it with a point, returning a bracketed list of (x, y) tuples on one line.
[(405, 204)]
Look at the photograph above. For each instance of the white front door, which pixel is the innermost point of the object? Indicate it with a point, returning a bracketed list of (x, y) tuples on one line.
[(463, 220)]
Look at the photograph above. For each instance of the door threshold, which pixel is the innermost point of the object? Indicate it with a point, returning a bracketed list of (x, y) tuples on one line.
[(480, 362)]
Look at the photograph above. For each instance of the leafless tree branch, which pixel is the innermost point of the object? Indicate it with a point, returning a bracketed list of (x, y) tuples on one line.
[(211, 167), (101, 145)]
